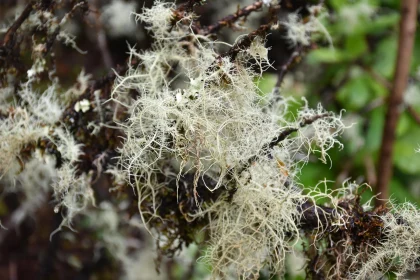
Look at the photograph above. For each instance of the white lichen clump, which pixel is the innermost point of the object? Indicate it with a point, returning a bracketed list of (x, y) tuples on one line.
[(200, 113), (37, 118), (299, 32), (116, 16), (114, 227), (255, 229)]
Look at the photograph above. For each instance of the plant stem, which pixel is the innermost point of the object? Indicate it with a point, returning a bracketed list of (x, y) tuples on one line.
[(405, 48)]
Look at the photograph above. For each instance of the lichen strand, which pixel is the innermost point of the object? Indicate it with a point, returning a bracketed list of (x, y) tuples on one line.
[(349, 227), (257, 227), (38, 156), (398, 250), (198, 147)]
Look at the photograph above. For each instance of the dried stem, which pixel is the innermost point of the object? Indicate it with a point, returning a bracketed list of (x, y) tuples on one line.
[(230, 19), (405, 47), (53, 37), (286, 66), (101, 37), (246, 41), (289, 131), (15, 26)]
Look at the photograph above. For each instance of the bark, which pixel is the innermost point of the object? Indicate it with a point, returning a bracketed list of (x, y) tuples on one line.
[(405, 48)]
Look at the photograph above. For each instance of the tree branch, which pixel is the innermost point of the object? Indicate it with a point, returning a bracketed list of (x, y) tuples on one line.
[(288, 131), (286, 66), (230, 19), (15, 26), (246, 41), (405, 48)]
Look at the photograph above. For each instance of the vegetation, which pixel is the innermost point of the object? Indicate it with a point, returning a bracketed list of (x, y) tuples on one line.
[(214, 155)]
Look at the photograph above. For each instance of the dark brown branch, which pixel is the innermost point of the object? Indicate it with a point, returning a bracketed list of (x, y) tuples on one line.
[(313, 216), (230, 19), (246, 41), (261, 31), (405, 48), (11, 32), (188, 5), (286, 66), (288, 131), (181, 10), (83, 5)]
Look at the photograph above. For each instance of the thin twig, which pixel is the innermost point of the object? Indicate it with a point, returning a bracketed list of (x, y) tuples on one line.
[(288, 131), (101, 37), (11, 32), (246, 41), (405, 48), (230, 19), (180, 12), (52, 38), (188, 6), (413, 113), (286, 66)]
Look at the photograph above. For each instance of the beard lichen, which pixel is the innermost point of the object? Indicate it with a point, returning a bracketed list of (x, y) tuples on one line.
[(199, 117)]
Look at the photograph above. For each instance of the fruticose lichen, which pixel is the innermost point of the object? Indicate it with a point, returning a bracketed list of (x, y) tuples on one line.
[(201, 114)]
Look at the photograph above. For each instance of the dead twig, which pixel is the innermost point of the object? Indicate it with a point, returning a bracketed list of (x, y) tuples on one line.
[(246, 41), (230, 19), (288, 131), (11, 32), (101, 37), (286, 66)]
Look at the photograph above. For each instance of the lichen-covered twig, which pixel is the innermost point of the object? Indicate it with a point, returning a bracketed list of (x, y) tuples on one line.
[(289, 131), (230, 19), (82, 5), (247, 40)]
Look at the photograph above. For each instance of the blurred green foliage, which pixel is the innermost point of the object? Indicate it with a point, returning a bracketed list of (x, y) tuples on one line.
[(354, 74)]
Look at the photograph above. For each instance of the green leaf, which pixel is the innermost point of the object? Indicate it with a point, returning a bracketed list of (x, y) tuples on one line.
[(374, 133), (384, 57), (355, 45), (377, 88), (383, 22), (315, 172), (404, 125), (400, 193), (325, 55), (405, 157), (337, 4), (355, 94), (266, 83)]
